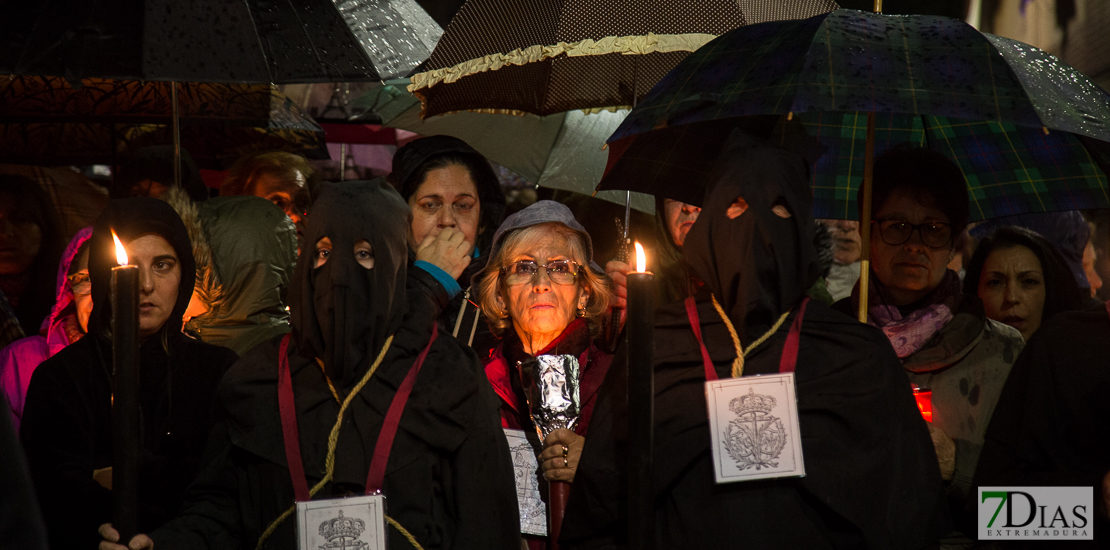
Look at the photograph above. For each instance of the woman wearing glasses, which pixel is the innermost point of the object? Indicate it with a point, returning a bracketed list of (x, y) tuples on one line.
[(68, 321), (542, 296), (946, 343)]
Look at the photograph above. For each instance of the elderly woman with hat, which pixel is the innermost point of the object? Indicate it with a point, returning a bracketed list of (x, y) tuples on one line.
[(544, 299)]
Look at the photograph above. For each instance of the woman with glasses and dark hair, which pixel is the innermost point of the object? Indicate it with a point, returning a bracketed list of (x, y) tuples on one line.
[(68, 322), (542, 296), (946, 343)]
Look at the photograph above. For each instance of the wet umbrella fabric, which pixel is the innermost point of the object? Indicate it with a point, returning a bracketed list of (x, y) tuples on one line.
[(46, 120), (550, 56), (559, 151), (217, 41), (984, 100)]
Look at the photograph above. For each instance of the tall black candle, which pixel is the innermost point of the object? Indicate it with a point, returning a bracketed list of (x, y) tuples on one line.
[(126, 438), (641, 409)]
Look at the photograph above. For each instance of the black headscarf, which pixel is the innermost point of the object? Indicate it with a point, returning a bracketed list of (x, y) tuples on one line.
[(758, 265), (413, 161), (341, 311), (133, 218)]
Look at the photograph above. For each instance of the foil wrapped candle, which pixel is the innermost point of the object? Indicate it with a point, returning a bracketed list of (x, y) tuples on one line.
[(639, 348), (126, 438), (551, 389)]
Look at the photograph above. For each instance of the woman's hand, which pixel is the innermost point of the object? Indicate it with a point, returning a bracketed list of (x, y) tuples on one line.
[(445, 249), (111, 540), (946, 452), (618, 271), (559, 459)]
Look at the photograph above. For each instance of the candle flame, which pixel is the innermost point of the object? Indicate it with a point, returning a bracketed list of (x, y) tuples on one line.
[(641, 259), (121, 253)]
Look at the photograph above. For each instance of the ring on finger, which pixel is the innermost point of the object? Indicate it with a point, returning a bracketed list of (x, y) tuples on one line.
[(565, 450), (566, 463)]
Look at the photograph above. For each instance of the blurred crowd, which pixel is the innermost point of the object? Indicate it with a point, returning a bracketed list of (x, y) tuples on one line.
[(280, 296)]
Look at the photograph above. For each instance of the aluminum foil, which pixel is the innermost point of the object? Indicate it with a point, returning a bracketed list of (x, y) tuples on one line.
[(551, 389)]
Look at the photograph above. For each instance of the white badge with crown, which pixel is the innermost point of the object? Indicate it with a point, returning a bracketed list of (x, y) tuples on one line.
[(753, 421), (352, 523)]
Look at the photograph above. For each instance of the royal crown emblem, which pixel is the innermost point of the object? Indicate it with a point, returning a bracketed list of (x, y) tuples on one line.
[(755, 438), (343, 533)]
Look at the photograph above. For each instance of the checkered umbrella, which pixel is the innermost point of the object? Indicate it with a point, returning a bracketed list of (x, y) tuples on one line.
[(1029, 132)]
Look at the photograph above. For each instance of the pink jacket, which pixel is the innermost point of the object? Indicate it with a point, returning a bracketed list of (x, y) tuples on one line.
[(19, 360)]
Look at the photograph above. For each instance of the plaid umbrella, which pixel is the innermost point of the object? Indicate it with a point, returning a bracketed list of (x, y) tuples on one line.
[(45, 120), (1029, 131), (549, 56)]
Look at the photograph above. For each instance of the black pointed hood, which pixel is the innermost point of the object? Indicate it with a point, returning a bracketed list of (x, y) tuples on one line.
[(341, 311), (132, 218), (759, 264)]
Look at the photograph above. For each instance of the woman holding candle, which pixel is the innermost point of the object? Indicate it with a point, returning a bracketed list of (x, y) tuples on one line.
[(861, 434), (67, 425), (357, 335), (542, 297)]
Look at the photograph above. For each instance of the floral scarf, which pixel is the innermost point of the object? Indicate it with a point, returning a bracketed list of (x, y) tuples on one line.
[(908, 334)]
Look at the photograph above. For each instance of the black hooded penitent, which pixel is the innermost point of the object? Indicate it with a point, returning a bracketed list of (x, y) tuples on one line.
[(871, 473), (344, 311), (67, 423), (449, 476)]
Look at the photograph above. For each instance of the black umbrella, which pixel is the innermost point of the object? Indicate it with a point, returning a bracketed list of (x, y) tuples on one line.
[(259, 41)]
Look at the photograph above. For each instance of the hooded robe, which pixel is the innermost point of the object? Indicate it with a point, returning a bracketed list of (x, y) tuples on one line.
[(67, 428), (449, 479), (871, 479)]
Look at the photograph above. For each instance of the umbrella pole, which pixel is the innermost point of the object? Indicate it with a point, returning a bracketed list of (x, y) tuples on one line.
[(865, 218), (865, 208), (176, 129)]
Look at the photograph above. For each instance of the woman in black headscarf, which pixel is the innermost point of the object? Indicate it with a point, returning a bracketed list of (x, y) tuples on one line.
[(869, 482), (31, 245), (67, 424), (457, 204), (357, 333)]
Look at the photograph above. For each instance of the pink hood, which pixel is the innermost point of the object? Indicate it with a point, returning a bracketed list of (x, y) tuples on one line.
[(53, 327)]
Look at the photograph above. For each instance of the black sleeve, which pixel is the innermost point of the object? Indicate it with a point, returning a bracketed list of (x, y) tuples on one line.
[(21, 525), (60, 431), (485, 493), (209, 517)]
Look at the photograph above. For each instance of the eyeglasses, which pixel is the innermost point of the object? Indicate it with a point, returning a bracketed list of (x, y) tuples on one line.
[(897, 232), (561, 272), (80, 283)]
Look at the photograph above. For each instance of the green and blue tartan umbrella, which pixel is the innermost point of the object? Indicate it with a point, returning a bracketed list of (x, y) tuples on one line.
[(1030, 132)]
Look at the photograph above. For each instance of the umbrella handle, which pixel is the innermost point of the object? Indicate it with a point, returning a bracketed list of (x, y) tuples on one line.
[(865, 216)]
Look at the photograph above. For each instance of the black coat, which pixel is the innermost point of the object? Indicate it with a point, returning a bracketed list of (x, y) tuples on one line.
[(871, 475), (1050, 425), (449, 477), (67, 431)]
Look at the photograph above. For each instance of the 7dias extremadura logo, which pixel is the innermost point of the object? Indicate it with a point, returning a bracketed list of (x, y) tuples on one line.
[(1035, 513)]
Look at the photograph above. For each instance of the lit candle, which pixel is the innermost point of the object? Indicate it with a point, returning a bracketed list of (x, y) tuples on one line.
[(924, 398), (126, 438), (641, 410)]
